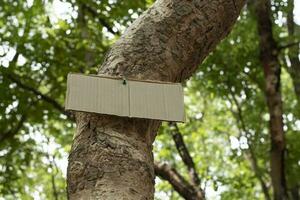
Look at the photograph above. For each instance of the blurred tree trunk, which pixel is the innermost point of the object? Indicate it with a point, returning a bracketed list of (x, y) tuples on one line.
[(111, 157), (294, 69), (272, 69)]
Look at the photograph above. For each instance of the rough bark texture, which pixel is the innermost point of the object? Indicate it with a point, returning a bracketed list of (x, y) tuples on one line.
[(111, 157), (271, 65)]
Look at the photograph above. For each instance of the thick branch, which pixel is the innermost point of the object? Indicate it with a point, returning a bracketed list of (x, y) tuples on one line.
[(171, 39), (177, 181)]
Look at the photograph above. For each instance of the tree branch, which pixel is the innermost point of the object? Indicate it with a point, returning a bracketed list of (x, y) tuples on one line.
[(103, 22), (184, 153), (292, 44), (250, 155), (12, 132), (170, 174), (46, 98)]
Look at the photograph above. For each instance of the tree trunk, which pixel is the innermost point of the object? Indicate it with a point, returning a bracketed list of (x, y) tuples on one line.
[(272, 68), (111, 157), (294, 69)]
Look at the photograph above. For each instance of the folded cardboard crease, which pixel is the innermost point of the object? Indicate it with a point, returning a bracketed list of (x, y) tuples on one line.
[(134, 98)]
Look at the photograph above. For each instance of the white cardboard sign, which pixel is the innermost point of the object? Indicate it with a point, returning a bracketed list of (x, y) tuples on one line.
[(139, 99)]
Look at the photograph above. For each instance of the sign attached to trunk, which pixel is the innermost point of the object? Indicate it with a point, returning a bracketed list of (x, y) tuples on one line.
[(126, 98)]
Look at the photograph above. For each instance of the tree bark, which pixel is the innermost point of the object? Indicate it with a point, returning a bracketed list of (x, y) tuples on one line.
[(272, 69), (111, 157)]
